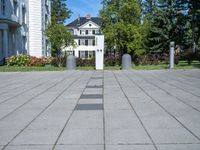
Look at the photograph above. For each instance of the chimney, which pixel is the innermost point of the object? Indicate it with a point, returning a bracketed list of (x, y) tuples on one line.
[(88, 16), (78, 23)]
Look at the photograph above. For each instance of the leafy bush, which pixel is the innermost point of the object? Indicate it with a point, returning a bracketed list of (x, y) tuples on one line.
[(85, 62), (112, 61), (26, 60), (59, 61), (190, 56), (148, 59), (34, 61), (18, 60)]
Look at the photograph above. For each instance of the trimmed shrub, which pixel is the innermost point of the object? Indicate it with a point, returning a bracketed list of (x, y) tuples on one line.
[(112, 61), (18, 60), (85, 62), (34, 61), (59, 61), (26, 60)]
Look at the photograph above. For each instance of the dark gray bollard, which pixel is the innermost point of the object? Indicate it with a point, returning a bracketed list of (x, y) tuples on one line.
[(126, 62), (71, 62)]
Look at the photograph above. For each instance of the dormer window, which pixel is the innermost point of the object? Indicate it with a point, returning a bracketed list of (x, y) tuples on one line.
[(3, 7)]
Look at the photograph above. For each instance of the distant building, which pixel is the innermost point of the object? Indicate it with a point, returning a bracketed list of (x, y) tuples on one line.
[(22, 25), (84, 30)]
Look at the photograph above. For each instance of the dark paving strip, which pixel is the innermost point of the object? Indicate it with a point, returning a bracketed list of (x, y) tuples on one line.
[(41, 112), (135, 112), (91, 96), (162, 107), (67, 121), (89, 107), (29, 100), (94, 86), (176, 97), (97, 78)]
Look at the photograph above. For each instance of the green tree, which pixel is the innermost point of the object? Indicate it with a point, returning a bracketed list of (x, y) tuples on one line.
[(121, 25), (59, 38), (56, 32), (59, 11)]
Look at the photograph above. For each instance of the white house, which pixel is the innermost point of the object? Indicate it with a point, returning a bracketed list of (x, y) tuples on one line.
[(22, 25), (84, 30)]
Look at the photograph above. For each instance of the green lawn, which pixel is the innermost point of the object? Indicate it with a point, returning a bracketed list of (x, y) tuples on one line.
[(26, 69), (181, 65)]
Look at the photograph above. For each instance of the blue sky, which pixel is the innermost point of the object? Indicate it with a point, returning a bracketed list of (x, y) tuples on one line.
[(83, 7)]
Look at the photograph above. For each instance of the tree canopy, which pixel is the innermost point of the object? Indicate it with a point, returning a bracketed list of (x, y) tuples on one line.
[(57, 33)]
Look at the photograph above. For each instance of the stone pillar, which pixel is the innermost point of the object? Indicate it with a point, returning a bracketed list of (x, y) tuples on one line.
[(126, 62), (71, 62), (5, 43)]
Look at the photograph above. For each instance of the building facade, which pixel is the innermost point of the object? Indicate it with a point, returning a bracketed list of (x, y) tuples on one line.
[(22, 26), (84, 30)]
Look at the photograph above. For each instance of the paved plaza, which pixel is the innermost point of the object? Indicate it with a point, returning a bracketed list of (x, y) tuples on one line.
[(100, 110)]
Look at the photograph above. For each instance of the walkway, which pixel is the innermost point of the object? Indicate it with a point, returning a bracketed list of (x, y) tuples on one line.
[(95, 110)]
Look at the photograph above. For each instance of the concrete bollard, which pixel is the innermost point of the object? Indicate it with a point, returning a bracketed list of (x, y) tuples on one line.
[(71, 62), (126, 62), (171, 59)]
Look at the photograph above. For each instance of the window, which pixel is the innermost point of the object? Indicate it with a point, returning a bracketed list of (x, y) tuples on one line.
[(93, 42), (93, 31), (3, 7), (90, 25), (82, 32), (1, 43), (23, 15), (82, 54), (86, 54), (86, 42), (81, 42), (15, 7), (86, 32), (90, 42)]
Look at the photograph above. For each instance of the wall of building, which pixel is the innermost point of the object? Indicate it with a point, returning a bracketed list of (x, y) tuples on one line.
[(22, 27)]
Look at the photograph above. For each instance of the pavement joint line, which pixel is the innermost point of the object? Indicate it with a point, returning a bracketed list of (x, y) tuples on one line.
[(21, 77), (171, 94), (41, 112), (188, 76), (135, 112), (67, 121), (102, 144), (104, 125), (186, 79), (20, 85), (29, 100), (164, 108), (177, 87), (19, 94)]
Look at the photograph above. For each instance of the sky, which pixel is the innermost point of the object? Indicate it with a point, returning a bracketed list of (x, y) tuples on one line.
[(82, 8)]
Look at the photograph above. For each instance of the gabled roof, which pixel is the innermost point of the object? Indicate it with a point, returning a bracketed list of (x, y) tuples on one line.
[(82, 20)]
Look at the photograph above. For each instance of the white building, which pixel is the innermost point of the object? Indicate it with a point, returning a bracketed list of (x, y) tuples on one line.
[(22, 25), (84, 30)]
